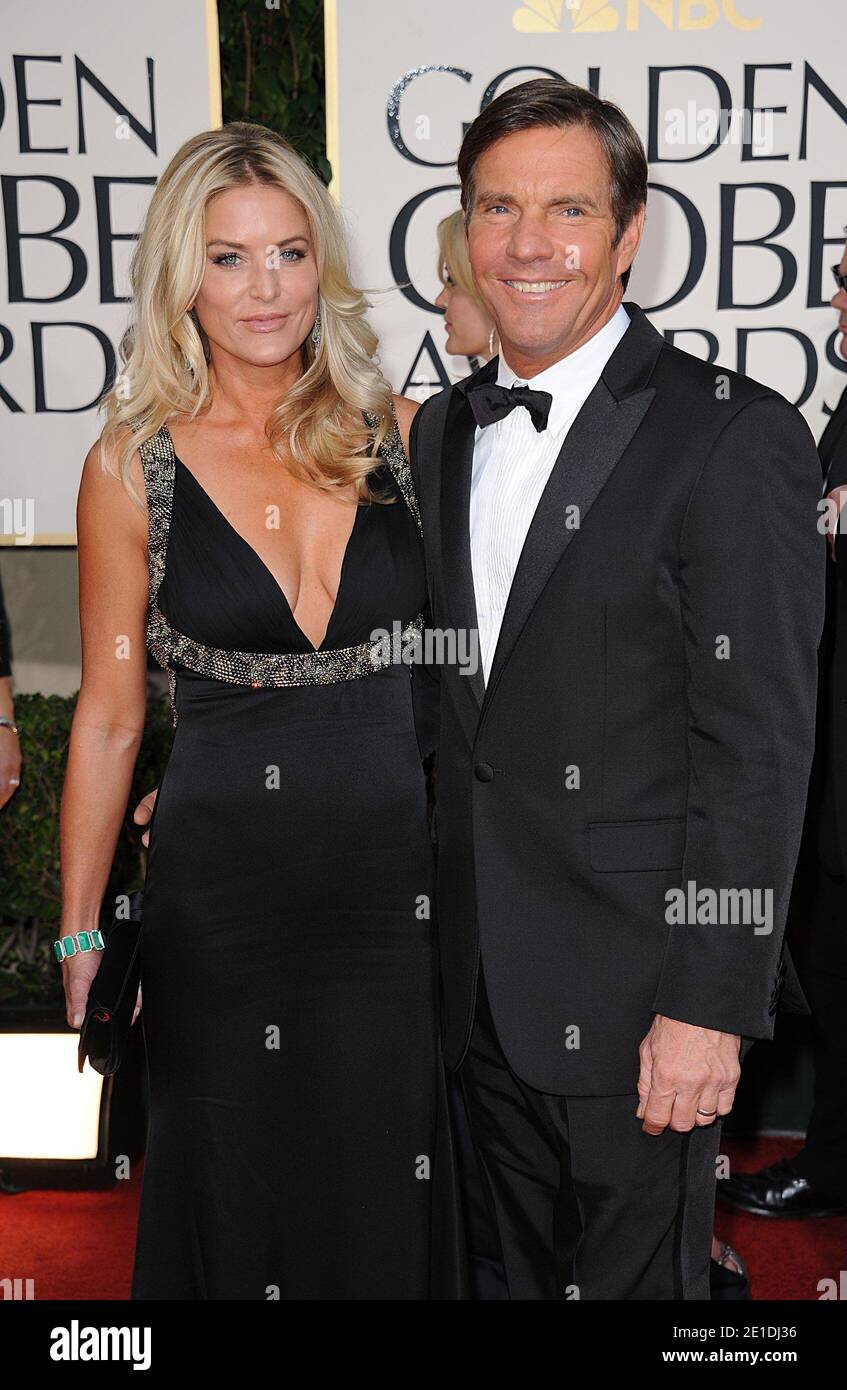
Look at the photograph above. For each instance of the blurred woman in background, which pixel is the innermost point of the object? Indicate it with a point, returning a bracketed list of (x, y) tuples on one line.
[(470, 328)]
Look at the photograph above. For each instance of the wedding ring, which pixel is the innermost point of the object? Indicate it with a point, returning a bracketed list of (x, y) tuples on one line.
[(707, 1112)]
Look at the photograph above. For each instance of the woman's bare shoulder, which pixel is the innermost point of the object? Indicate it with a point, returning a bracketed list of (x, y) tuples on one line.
[(103, 494)]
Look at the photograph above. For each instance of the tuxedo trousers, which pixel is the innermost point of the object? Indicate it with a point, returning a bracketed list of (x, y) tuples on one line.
[(585, 1203), (823, 974)]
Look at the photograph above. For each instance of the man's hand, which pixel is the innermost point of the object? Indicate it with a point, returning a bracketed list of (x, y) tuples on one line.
[(688, 1075), (143, 813)]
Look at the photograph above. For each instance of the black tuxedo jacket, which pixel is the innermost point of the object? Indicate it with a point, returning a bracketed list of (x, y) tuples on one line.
[(619, 750)]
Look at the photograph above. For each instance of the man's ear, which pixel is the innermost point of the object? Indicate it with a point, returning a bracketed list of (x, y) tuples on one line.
[(630, 241)]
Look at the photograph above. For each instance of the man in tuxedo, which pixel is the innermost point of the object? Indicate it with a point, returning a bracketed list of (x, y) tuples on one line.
[(620, 787), (814, 1182)]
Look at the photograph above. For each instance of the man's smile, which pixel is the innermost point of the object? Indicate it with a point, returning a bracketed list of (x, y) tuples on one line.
[(535, 289)]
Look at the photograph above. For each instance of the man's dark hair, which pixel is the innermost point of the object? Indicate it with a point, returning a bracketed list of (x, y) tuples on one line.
[(554, 103)]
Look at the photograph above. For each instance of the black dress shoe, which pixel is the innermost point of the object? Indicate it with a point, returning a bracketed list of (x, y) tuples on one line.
[(777, 1191)]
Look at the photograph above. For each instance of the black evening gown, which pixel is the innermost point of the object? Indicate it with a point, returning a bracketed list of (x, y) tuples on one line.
[(298, 1142)]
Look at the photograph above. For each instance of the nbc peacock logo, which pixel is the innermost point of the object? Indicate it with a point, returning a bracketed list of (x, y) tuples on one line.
[(605, 16), (545, 16)]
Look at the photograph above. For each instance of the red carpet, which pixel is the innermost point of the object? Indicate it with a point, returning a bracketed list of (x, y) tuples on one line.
[(785, 1259), (76, 1245), (79, 1245)]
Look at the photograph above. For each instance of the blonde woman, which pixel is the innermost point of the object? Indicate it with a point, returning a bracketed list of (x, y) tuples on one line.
[(248, 510), (469, 326)]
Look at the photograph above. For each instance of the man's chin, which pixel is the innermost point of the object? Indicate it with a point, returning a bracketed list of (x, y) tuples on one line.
[(539, 336)]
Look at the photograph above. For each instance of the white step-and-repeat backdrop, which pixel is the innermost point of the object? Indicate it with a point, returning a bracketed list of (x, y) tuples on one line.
[(746, 214), (95, 98)]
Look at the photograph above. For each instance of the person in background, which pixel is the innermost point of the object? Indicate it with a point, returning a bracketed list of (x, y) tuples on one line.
[(468, 324), (10, 748), (814, 1182)]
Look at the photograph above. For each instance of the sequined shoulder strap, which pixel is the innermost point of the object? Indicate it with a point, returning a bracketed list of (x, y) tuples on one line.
[(395, 456), (157, 462)]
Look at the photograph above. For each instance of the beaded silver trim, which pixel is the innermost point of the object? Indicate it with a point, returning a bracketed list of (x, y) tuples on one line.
[(395, 456), (255, 668)]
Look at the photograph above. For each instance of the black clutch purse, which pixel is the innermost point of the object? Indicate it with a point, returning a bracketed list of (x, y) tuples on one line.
[(111, 998)]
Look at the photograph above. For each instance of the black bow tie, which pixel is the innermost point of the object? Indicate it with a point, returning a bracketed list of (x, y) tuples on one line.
[(490, 402)]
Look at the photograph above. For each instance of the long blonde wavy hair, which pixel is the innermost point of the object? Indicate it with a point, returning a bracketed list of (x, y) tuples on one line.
[(163, 354)]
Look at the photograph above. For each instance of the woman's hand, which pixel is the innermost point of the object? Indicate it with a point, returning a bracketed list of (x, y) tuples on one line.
[(10, 764), (77, 973)]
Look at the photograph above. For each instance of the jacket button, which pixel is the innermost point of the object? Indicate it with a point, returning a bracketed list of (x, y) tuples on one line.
[(484, 772)]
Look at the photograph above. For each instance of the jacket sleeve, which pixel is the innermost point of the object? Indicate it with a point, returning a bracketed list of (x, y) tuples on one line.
[(751, 588)]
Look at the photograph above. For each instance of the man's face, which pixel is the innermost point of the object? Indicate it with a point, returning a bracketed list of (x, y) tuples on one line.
[(542, 218), (839, 302)]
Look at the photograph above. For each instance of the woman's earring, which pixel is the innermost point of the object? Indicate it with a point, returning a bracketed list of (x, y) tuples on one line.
[(316, 331)]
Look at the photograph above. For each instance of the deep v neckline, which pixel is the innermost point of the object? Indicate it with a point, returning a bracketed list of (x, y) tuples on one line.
[(283, 597)]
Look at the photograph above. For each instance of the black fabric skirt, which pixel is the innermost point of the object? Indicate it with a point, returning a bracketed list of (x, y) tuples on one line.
[(299, 1144)]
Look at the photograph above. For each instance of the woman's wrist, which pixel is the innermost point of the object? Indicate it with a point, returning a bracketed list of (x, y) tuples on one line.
[(73, 919)]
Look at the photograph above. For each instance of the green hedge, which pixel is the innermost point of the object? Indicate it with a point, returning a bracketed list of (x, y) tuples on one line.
[(29, 841), (272, 71)]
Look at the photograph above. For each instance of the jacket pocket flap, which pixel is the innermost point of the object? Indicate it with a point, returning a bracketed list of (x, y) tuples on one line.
[(630, 845)]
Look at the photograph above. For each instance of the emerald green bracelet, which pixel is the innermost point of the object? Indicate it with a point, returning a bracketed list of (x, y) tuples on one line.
[(83, 941)]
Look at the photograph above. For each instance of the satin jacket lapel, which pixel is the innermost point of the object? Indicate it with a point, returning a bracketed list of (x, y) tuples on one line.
[(832, 440), (592, 448), (459, 602)]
